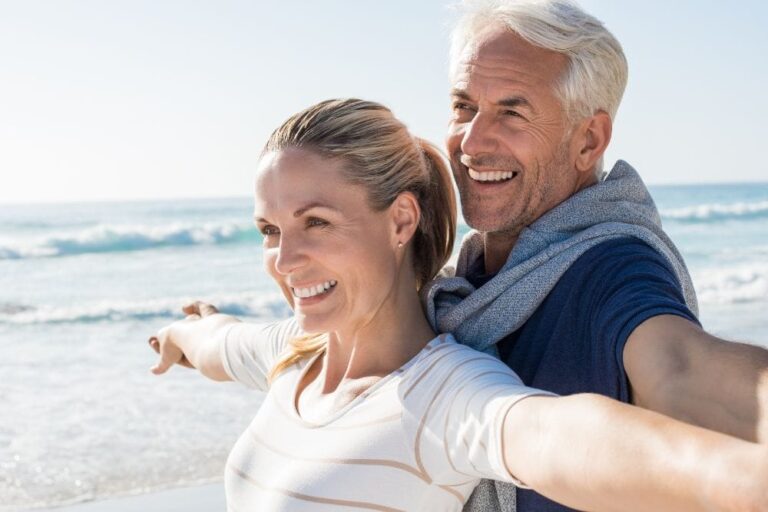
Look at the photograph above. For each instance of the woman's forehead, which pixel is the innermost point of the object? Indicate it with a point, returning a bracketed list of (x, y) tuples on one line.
[(289, 180)]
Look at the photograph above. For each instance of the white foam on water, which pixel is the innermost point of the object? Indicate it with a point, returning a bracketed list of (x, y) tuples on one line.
[(717, 211), (120, 238), (730, 285), (254, 305)]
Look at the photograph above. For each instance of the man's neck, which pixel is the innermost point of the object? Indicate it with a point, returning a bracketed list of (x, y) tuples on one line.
[(497, 249), (499, 244)]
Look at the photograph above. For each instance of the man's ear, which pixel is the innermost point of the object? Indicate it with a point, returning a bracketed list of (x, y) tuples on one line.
[(590, 140), (405, 214)]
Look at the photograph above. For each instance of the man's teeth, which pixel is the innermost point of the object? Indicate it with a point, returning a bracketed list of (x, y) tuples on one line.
[(491, 175), (304, 293)]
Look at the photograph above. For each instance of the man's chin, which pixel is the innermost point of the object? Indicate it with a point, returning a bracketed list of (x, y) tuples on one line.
[(486, 225)]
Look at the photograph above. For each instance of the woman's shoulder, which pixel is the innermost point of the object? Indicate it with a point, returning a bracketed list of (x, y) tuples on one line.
[(446, 350), (445, 363)]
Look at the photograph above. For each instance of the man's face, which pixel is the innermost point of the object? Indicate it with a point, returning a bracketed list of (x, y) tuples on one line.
[(507, 136)]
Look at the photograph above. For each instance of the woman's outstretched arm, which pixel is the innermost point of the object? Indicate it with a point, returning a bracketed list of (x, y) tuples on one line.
[(593, 453), (194, 342)]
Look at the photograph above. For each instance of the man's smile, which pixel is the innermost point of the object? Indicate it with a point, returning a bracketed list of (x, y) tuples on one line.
[(491, 176)]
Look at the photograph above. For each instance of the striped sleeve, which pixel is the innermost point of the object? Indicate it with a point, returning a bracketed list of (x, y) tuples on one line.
[(249, 351), (465, 397)]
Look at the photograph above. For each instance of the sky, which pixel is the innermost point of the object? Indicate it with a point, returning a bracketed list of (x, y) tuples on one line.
[(149, 99)]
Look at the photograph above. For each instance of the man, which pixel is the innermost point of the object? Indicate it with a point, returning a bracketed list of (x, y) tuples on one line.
[(535, 88)]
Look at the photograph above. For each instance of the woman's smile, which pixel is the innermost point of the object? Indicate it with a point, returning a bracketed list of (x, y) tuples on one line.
[(307, 295)]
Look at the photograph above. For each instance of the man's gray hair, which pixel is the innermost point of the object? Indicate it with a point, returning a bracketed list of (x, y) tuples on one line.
[(597, 71)]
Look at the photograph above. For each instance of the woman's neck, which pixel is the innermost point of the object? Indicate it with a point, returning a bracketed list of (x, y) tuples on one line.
[(391, 338)]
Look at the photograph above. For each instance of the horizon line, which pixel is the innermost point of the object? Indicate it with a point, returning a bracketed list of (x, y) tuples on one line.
[(44, 202)]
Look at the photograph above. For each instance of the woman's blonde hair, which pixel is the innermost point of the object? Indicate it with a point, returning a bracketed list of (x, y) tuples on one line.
[(381, 155)]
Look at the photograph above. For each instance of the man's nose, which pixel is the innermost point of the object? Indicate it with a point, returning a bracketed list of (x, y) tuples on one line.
[(478, 136), (291, 255)]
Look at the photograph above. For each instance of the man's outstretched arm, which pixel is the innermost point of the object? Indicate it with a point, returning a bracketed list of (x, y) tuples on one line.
[(678, 369)]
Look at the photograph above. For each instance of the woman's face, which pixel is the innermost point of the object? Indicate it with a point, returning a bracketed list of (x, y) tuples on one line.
[(333, 257)]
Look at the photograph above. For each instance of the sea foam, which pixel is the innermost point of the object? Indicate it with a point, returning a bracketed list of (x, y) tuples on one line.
[(253, 306), (121, 238), (731, 285), (717, 212)]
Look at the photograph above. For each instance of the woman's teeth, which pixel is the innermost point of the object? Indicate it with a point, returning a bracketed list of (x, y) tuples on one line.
[(491, 175), (304, 293)]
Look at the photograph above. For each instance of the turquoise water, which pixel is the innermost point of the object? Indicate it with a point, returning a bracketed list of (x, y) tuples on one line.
[(82, 286)]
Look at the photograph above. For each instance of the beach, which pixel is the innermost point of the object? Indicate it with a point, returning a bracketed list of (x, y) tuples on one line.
[(204, 498)]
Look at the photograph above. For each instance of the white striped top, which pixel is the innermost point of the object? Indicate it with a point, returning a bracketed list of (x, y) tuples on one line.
[(420, 438)]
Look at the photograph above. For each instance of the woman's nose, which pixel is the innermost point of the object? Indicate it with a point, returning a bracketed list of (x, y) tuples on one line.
[(291, 255)]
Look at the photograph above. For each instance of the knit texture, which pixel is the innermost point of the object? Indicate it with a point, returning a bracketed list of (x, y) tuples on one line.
[(619, 206)]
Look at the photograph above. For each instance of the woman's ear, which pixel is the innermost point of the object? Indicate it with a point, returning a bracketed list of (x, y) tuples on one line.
[(405, 213)]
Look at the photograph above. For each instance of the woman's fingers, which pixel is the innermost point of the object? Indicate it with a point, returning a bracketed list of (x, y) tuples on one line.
[(168, 352), (200, 308), (164, 342), (169, 355)]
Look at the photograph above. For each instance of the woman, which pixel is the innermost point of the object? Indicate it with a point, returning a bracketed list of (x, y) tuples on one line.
[(367, 407)]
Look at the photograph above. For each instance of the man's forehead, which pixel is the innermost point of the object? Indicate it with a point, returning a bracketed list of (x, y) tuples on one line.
[(500, 54)]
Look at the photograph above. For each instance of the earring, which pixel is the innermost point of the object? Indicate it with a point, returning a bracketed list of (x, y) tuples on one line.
[(399, 245)]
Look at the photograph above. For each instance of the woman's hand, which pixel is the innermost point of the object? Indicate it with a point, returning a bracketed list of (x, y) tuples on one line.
[(193, 342)]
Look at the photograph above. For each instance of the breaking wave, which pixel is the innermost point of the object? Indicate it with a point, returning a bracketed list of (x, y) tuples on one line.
[(253, 306), (717, 212), (746, 283), (120, 238)]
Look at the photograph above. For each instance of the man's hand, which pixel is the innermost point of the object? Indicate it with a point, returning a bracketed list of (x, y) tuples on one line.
[(193, 341), (678, 369)]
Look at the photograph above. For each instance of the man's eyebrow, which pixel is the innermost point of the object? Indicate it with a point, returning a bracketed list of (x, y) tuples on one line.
[(510, 102), (514, 102), (301, 211), (458, 93)]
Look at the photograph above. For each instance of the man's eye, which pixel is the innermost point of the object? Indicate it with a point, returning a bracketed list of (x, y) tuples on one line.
[(460, 105), (315, 222), (463, 112), (512, 113)]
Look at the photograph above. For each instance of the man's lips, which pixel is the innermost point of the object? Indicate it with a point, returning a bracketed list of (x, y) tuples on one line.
[(490, 176)]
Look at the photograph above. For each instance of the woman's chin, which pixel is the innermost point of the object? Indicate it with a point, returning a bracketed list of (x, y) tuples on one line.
[(311, 324)]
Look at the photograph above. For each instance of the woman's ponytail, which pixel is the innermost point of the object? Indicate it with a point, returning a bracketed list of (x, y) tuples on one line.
[(433, 243)]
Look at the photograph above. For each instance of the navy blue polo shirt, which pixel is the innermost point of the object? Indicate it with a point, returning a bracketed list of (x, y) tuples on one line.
[(574, 341)]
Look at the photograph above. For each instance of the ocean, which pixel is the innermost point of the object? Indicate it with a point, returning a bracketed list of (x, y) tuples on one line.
[(82, 287)]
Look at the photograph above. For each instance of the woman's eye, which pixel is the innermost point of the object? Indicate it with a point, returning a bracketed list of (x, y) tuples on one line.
[(269, 230)]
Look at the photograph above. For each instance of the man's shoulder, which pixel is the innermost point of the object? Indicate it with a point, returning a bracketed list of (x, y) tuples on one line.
[(620, 248), (618, 258)]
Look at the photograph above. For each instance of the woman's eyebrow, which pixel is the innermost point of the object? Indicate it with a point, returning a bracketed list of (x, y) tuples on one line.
[(301, 211)]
